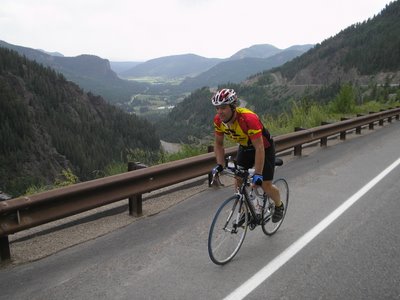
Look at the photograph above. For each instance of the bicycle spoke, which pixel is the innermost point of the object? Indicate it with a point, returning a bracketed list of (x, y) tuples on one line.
[(268, 227), (226, 237)]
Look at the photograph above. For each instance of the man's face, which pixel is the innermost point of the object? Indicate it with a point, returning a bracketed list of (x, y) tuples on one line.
[(225, 112)]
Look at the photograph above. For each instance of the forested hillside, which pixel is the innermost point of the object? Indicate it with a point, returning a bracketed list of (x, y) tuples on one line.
[(365, 55), (48, 124), (189, 120), (90, 72), (363, 49)]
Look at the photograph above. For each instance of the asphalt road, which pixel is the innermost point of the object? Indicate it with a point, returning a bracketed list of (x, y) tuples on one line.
[(353, 256)]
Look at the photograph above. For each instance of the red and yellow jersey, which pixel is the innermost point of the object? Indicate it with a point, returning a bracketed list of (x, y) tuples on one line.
[(247, 126)]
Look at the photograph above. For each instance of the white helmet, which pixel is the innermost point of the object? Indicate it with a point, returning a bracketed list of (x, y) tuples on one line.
[(224, 96)]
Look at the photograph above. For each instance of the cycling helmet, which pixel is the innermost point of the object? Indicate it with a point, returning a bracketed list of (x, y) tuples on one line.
[(224, 96)]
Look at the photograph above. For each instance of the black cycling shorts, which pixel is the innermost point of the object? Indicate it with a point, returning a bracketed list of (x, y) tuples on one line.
[(246, 157)]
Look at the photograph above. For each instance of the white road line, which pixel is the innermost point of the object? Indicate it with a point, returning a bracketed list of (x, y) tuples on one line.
[(258, 278)]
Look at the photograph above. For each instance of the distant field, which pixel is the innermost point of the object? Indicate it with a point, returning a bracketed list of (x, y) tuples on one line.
[(153, 104), (156, 80), (142, 104)]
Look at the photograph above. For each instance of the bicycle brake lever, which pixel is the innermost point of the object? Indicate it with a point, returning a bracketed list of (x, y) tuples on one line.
[(216, 181)]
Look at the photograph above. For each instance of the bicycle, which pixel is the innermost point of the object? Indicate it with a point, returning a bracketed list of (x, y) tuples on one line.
[(237, 213)]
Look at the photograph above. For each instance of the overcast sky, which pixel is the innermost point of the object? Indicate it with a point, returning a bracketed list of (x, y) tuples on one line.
[(138, 30)]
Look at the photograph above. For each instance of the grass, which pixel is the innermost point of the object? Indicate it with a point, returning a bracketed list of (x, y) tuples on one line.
[(313, 115)]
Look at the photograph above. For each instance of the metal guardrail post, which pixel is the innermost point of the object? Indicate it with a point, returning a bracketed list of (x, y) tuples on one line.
[(371, 125), (135, 201), (324, 140), (343, 133), (381, 121), (5, 253), (390, 117), (298, 148), (358, 129)]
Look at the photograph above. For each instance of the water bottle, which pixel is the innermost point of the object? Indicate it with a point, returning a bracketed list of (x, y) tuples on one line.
[(257, 195), (259, 199), (256, 198)]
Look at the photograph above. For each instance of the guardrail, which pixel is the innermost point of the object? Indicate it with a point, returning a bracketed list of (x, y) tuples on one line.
[(29, 211)]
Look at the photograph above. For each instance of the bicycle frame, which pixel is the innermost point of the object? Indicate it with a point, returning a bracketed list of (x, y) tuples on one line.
[(243, 176), (246, 198)]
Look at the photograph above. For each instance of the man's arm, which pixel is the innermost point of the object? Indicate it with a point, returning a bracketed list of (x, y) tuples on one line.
[(259, 156), (219, 149)]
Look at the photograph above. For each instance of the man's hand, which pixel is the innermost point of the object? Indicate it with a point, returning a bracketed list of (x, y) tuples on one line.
[(257, 179), (217, 169)]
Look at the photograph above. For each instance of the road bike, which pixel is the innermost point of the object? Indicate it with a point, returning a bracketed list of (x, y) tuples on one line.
[(238, 213)]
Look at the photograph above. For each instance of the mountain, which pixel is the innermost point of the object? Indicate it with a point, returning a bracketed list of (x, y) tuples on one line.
[(237, 70), (122, 66), (90, 72), (175, 66), (48, 124), (99, 76), (256, 51), (52, 53), (302, 48), (365, 55), (363, 51), (200, 71)]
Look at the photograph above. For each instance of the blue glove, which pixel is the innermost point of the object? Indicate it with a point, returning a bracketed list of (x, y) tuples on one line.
[(257, 179), (217, 169)]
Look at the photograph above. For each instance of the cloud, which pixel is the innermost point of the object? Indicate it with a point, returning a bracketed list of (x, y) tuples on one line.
[(140, 30)]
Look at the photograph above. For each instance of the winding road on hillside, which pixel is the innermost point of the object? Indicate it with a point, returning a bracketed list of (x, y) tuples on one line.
[(340, 240)]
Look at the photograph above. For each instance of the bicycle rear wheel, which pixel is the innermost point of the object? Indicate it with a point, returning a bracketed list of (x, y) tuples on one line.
[(226, 236), (268, 227)]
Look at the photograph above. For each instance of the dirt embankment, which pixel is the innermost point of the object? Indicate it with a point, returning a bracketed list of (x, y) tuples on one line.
[(170, 147)]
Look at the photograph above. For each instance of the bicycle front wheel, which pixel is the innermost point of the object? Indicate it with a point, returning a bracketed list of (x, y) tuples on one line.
[(268, 227), (228, 230)]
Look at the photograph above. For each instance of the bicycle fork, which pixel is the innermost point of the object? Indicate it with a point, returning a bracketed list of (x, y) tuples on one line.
[(237, 218)]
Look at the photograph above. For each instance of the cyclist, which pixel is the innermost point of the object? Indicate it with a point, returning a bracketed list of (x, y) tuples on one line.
[(256, 146)]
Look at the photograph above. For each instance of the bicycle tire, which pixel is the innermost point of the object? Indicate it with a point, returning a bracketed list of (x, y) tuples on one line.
[(268, 227), (225, 238)]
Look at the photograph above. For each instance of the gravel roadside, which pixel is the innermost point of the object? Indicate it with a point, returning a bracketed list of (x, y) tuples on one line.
[(41, 241)]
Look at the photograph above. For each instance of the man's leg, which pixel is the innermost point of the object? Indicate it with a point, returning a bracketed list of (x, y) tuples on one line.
[(273, 192)]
